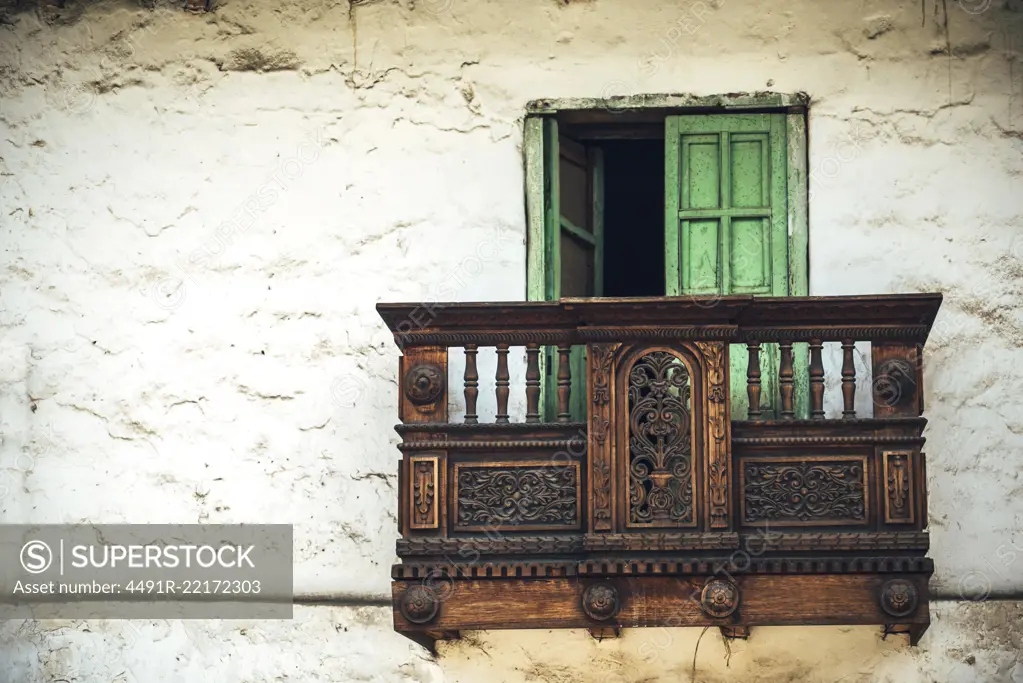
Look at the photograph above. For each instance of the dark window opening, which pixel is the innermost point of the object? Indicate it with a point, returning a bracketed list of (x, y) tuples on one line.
[(633, 217)]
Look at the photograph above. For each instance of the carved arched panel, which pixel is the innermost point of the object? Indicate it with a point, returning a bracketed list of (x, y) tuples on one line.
[(658, 413)]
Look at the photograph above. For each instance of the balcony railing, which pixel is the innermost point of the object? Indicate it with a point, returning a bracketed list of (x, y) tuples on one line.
[(671, 461)]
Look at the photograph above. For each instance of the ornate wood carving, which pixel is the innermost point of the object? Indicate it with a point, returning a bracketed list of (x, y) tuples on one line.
[(511, 569), (616, 566), (907, 333), (898, 379), (911, 333), (719, 598), (753, 380), (840, 565), (532, 383), (600, 601), (898, 480), (472, 383), (848, 379), (898, 486), (516, 495), (495, 512), (514, 429), (660, 446), (786, 383), (836, 333), (718, 421), (499, 545), (600, 429), (503, 384), (735, 564), (861, 425), (424, 383), (482, 338), (827, 440), (717, 367), (671, 332), (804, 491), (732, 565), (894, 383), (899, 597), (424, 492), (660, 542), (816, 379), (419, 604), (854, 541), (564, 382), (601, 355), (601, 481), (600, 363), (478, 444)]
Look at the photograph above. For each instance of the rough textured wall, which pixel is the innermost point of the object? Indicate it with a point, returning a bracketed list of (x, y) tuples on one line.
[(198, 213)]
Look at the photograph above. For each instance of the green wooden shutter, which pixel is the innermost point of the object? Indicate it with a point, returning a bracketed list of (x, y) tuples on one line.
[(726, 218), (574, 245)]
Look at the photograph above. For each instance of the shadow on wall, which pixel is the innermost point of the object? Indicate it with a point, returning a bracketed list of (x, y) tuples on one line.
[(656, 655), (814, 654)]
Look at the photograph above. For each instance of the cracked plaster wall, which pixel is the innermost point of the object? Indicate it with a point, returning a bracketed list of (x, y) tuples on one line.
[(198, 214)]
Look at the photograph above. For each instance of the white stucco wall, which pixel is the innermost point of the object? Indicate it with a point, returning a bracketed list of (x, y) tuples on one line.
[(198, 214)]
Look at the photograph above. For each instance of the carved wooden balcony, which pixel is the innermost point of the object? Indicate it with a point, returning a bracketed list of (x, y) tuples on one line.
[(704, 463)]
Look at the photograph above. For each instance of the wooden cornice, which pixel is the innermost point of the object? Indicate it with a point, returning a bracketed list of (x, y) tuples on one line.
[(884, 317)]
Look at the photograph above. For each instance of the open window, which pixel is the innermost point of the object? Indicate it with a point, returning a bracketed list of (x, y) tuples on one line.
[(670, 202)]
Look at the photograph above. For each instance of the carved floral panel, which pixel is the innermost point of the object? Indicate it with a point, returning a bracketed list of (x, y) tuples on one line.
[(660, 449), (718, 423), (533, 495), (797, 491)]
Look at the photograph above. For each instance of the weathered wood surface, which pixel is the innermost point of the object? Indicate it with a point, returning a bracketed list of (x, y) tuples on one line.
[(769, 600), (655, 508), (893, 317)]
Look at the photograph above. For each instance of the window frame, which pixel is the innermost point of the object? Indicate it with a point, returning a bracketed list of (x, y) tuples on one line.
[(537, 144)]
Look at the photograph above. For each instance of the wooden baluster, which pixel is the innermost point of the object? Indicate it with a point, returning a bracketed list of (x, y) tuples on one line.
[(532, 382), (564, 382), (472, 384), (502, 384), (753, 380), (785, 380), (848, 379), (816, 380)]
